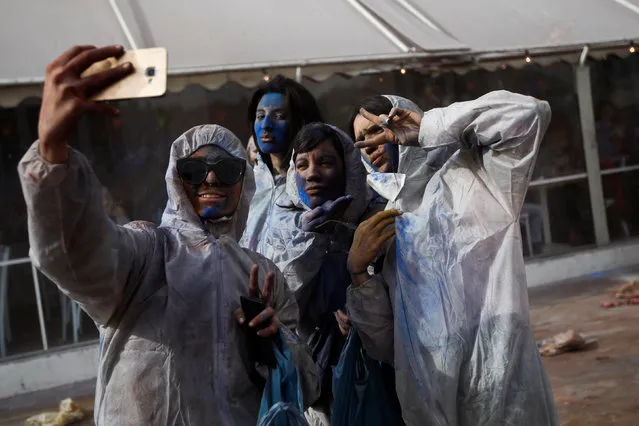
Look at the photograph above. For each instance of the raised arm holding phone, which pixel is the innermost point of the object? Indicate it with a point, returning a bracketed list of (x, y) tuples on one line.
[(166, 298)]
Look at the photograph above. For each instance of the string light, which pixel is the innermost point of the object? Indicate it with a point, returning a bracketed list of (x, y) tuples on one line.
[(528, 59), (267, 77), (381, 79), (403, 70), (632, 49), (503, 66)]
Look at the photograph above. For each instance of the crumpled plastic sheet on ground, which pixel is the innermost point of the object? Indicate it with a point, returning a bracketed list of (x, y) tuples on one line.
[(69, 413)]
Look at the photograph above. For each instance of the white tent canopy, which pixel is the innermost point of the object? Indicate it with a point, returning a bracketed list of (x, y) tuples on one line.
[(211, 42)]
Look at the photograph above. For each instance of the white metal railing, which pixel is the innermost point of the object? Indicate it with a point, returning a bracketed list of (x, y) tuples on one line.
[(36, 286)]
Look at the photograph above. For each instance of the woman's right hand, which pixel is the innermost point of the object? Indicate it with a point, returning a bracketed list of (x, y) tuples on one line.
[(369, 238), (65, 98)]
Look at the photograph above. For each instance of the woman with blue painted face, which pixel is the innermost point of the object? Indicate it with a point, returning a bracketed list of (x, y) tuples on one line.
[(449, 308), (310, 236), (277, 111), (173, 338)]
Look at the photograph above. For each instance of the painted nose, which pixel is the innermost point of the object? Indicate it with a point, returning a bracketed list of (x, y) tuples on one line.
[(268, 122)]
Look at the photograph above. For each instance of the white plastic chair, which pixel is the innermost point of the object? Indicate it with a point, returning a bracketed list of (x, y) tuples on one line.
[(5, 326)]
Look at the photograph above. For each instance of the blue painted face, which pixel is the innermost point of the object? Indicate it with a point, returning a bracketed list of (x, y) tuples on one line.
[(272, 124)]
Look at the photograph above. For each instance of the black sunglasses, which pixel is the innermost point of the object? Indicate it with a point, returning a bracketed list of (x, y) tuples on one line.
[(228, 171)]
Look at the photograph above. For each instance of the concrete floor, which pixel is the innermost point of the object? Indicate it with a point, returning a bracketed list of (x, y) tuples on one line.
[(599, 386)]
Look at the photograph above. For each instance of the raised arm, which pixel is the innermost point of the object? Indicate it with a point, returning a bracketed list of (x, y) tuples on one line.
[(72, 240), (506, 128), (502, 129)]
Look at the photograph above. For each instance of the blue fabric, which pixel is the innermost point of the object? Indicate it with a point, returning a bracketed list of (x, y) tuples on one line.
[(361, 396), (283, 391)]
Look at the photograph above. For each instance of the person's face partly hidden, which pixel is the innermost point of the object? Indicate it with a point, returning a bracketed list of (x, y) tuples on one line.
[(377, 156), (320, 175), (272, 124), (211, 199)]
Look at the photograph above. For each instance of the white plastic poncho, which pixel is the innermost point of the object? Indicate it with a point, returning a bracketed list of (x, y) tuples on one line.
[(456, 324), (269, 190), (164, 297), (314, 264), (310, 260)]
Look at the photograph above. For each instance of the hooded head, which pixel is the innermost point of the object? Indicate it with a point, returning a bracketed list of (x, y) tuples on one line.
[(325, 166), (414, 167), (180, 211)]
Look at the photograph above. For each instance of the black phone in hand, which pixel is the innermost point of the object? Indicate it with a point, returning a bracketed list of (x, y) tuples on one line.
[(260, 348)]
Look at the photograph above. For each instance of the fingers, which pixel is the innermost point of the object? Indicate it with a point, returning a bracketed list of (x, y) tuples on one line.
[(86, 58), (314, 214), (315, 223), (340, 204), (254, 289), (386, 235), (272, 329), (269, 283), (93, 84), (393, 113), (380, 226), (239, 316), (386, 136), (342, 317), (263, 317), (70, 54), (343, 322), (370, 116), (392, 213)]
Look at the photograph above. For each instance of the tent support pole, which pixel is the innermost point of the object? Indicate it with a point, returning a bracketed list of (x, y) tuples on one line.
[(591, 151)]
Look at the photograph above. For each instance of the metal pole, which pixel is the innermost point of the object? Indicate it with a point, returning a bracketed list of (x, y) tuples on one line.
[(123, 25), (390, 35), (36, 285), (591, 154)]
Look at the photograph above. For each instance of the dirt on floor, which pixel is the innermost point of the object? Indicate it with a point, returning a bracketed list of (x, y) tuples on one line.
[(594, 387), (598, 386)]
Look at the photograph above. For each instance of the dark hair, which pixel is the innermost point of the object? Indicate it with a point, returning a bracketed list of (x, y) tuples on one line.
[(314, 134), (300, 103), (375, 105)]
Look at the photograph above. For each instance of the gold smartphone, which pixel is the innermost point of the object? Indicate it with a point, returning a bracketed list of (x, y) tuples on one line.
[(147, 81)]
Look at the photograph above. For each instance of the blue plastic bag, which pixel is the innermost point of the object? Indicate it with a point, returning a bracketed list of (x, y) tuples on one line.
[(361, 395), (283, 391)]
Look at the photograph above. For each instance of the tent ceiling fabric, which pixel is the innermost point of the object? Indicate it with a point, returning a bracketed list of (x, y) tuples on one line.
[(500, 25), (211, 42), (35, 32)]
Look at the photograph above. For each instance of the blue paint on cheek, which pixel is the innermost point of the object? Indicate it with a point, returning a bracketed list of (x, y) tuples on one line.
[(301, 184)]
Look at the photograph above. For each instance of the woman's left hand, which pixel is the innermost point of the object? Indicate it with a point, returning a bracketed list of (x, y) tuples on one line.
[(343, 322), (268, 315), (400, 127), (315, 220)]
